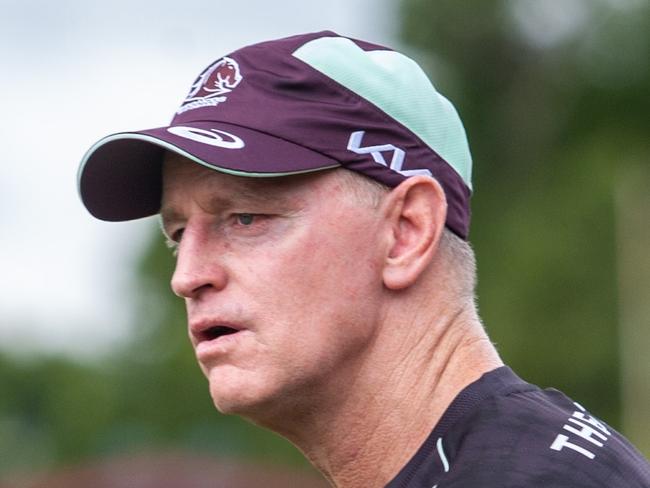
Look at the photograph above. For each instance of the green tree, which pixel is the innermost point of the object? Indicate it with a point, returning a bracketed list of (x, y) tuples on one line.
[(555, 98)]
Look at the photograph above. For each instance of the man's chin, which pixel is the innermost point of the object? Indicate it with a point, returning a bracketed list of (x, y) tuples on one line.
[(240, 399)]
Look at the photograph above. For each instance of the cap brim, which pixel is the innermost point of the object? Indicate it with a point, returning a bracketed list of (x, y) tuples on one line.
[(120, 177)]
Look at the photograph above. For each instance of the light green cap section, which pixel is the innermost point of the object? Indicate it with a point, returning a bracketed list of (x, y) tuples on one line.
[(396, 85)]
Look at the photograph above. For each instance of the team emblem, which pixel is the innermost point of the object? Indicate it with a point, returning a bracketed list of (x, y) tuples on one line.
[(212, 85)]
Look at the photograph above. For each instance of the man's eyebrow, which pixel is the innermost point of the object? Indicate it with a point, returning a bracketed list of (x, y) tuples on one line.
[(241, 195), (254, 194), (245, 195)]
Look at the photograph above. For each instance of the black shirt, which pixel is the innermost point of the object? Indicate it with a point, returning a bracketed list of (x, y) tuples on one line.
[(501, 432)]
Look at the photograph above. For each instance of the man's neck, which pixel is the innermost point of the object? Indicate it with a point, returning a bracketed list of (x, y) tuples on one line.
[(369, 428)]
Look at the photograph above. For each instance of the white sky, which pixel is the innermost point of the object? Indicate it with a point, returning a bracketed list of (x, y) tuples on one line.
[(72, 72)]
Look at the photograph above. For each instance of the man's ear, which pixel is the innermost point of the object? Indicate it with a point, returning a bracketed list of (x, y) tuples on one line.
[(416, 211)]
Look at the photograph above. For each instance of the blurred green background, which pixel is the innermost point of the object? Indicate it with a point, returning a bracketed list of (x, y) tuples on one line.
[(556, 109)]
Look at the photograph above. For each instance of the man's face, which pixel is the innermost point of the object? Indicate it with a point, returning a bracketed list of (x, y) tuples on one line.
[(281, 279)]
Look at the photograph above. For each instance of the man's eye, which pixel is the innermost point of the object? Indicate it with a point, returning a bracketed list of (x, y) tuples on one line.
[(174, 240), (245, 218), (177, 236)]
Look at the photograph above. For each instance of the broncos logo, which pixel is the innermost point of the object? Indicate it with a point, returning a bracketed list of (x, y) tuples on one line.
[(218, 79)]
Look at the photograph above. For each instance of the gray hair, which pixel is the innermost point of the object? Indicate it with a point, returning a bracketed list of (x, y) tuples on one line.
[(456, 253)]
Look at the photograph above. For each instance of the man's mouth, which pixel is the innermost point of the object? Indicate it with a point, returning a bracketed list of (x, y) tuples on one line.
[(210, 336), (215, 332)]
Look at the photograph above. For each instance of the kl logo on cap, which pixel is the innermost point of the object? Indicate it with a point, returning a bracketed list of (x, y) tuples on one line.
[(212, 85), (396, 162)]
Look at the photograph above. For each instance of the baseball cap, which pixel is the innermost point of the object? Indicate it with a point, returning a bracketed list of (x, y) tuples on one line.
[(288, 106)]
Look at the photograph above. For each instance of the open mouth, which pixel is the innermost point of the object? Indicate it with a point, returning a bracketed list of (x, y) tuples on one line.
[(216, 332)]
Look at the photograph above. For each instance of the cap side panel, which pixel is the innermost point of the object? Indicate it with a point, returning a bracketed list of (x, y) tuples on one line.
[(421, 109)]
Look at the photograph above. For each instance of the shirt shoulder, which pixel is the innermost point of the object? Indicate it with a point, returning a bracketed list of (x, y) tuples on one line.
[(540, 438), (504, 432)]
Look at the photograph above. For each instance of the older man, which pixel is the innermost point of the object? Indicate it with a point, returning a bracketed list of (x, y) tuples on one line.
[(316, 191)]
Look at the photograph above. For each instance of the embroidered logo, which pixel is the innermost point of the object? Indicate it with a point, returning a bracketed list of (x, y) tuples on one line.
[(396, 162), (211, 86), (212, 137)]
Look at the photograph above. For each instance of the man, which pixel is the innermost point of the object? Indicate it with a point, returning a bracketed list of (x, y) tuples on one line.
[(316, 191)]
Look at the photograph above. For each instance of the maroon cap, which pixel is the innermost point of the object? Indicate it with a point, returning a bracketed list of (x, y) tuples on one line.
[(290, 106)]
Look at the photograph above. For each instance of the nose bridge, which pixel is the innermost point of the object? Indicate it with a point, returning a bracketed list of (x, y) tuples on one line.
[(198, 265)]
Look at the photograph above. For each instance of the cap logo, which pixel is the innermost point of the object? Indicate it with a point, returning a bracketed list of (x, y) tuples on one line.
[(212, 137), (211, 86), (396, 162)]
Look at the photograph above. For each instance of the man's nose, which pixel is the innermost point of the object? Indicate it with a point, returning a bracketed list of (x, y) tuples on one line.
[(198, 268)]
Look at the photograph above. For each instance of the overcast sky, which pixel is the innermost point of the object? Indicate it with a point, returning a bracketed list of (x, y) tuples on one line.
[(72, 72)]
